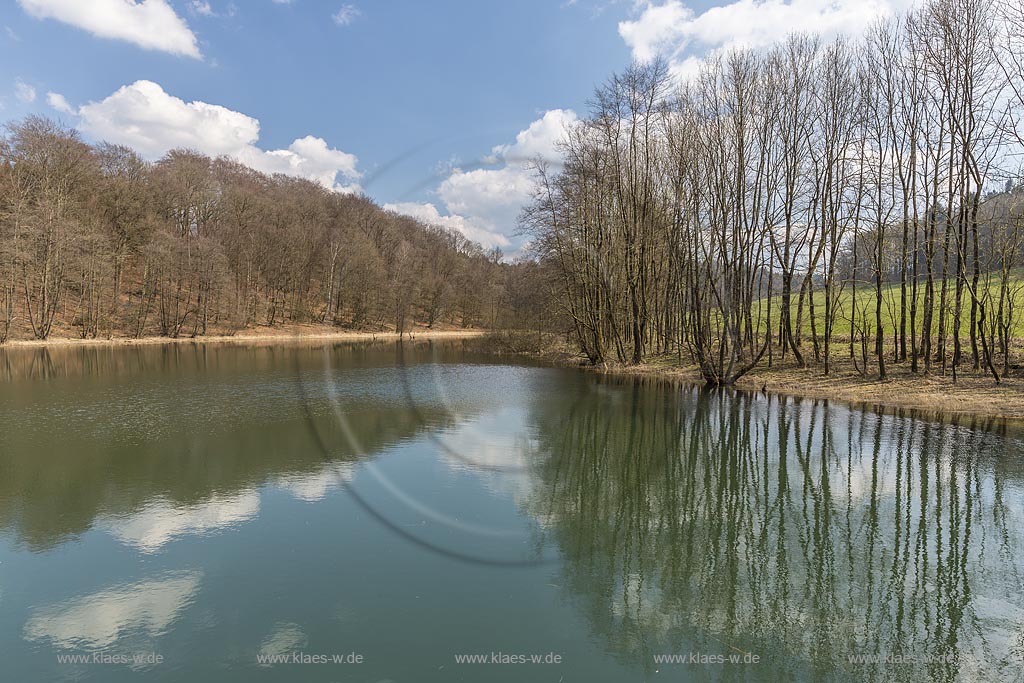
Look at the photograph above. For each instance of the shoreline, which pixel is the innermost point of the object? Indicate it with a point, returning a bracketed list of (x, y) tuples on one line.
[(930, 397), (974, 397), (933, 397), (275, 336)]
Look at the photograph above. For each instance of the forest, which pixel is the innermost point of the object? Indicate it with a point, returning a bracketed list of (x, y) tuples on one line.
[(855, 201), (822, 201), (96, 242)]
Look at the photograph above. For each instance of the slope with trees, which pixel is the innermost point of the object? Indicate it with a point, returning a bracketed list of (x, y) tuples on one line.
[(95, 242)]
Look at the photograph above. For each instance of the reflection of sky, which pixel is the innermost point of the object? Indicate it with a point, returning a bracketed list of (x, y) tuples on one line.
[(162, 521), (499, 449), (100, 619), (963, 524), (315, 486), (639, 599), (481, 471), (284, 639)]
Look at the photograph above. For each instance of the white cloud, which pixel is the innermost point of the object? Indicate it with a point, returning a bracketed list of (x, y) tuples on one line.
[(659, 28), (59, 102), (346, 15), (494, 197), (429, 214), (151, 121), (307, 157), (145, 117), (540, 139), (202, 7), (24, 92), (150, 24), (484, 203), (673, 30)]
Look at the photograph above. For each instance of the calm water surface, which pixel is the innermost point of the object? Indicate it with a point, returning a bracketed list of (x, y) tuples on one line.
[(192, 513)]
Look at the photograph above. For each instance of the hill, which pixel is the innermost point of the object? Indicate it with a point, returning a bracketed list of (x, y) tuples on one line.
[(95, 242)]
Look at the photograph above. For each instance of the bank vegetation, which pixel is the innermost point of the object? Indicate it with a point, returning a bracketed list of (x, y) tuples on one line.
[(854, 201)]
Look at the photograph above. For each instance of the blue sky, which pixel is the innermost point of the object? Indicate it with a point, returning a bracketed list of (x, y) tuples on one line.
[(398, 99)]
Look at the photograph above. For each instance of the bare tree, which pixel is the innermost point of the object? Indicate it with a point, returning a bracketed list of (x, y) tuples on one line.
[(845, 176)]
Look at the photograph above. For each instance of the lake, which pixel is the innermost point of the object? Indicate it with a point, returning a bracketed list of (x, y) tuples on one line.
[(425, 512)]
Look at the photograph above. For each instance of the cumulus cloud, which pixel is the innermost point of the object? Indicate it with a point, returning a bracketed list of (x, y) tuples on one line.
[(24, 92), (673, 30), (428, 213), (346, 15), (484, 203), (151, 121), (488, 194), (145, 117), (494, 197), (540, 139), (658, 29), (59, 102), (307, 157), (150, 24)]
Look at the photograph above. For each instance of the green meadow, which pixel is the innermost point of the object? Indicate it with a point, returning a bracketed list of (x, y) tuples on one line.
[(863, 296)]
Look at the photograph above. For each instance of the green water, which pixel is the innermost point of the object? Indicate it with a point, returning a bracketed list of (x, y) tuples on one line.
[(198, 513)]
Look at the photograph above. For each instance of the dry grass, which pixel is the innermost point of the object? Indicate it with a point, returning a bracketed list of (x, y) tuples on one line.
[(260, 335), (932, 396), (928, 395)]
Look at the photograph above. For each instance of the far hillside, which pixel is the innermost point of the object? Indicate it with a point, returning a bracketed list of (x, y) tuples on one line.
[(95, 242)]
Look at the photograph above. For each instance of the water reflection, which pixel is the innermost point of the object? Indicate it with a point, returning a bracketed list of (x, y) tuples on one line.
[(101, 619), (803, 532), (152, 443), (284, 639), (676, 521), (161, 521), (315, 486)]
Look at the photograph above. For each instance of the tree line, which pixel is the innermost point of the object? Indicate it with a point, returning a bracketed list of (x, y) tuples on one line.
[(819, 200), (97, 242)]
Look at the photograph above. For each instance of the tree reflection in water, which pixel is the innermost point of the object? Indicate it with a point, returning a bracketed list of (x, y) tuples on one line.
[(803, 532)]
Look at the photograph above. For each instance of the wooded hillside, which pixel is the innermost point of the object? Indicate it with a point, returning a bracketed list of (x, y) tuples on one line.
[(96, 242)]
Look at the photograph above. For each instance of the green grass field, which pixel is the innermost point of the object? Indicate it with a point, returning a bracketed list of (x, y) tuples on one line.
[(865, 301)]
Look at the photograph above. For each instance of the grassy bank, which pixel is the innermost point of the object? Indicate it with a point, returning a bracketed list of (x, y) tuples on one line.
[(864, 296)]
